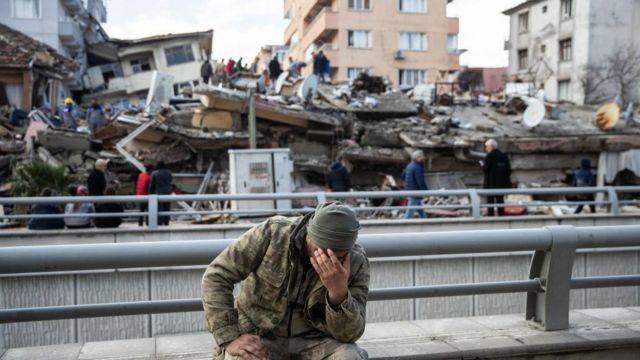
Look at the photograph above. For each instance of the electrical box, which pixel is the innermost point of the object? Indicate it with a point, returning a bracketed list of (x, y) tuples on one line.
[(261, 171)]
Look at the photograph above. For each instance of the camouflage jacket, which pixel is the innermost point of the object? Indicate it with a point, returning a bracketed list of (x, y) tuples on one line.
[(263, 259)]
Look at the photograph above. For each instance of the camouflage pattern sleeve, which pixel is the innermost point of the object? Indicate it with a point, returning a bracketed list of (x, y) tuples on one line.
[(346, 322), (232, 266)]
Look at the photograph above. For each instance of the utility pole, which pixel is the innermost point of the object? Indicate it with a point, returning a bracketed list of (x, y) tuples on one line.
[(252, 121)]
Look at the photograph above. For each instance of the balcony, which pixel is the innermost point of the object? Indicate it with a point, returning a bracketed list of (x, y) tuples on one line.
[(74, 6), (453, 25), (323, 27), (311, 8), (70, 34)]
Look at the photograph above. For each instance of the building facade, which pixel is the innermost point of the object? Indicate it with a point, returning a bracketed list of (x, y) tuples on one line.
[(555, 43), (266, 54), (125, 82), (407, 41), (68, 26)]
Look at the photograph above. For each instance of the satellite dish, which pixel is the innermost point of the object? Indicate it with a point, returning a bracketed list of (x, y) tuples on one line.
[(607, 116), (281, 80), (308, 88), (534, 114)]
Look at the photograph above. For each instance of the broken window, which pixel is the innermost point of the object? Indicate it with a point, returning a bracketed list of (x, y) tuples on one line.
[(179, 54), (523, 59), (523, 22), (411, 77), (140, 65), (566, 7), (412, 41), (563, 90), (26, 9), (359, 4), (359, 39), (110, 71), (566, 50), (353, 73), (413, 6)]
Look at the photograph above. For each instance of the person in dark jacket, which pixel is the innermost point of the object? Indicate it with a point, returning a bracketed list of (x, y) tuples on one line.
[(583, 177), (161, 184), (319, 62), (275, 69), (338, 178), (97, 181), (46, 209), (414, 181), (108, 208), (206, 71), (497, 174)]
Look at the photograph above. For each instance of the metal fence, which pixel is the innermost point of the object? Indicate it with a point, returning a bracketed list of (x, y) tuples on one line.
[(610, 198), (547, 287)]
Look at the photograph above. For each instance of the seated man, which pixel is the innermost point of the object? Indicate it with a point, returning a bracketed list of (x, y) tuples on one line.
[(304, 287)]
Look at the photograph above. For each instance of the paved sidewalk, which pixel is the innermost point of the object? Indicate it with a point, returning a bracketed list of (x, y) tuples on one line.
[(594, 334)]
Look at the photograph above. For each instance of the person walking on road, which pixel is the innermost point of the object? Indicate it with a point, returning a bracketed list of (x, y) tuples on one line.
[(497, 174), (414, 181)]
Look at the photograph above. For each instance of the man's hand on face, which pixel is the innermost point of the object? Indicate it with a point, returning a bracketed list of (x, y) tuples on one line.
[(248, 347), (333, 273)]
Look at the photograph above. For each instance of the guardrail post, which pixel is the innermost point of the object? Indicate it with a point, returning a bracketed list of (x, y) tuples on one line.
[(553, 269), (322, 198), (613, 200), (476, 210), (153, 211)]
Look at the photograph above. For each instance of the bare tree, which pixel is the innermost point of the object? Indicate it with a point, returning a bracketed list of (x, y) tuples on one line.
[(618, 74)]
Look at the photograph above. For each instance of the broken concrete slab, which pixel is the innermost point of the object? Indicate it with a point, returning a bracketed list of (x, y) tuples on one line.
[(58, 139), (212, 119)]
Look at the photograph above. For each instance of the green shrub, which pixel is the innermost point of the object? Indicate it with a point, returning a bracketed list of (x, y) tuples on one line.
[(30, 178)]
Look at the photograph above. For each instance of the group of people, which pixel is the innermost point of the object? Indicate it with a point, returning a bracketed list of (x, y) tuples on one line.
[(97, 116), (223, 71), (151, 181)]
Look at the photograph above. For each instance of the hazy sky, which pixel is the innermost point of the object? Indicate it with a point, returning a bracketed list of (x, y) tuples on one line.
[(242, 26)]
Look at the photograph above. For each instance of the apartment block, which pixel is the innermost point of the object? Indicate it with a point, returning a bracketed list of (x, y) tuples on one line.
[(407, 41), (554, 43)]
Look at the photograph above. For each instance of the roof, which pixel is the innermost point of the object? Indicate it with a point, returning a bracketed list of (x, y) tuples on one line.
[(165, 37), (20, 51), (521, 6)]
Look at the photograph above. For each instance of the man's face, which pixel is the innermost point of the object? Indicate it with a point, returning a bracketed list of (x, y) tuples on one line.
[(488, 148), (312, 247)]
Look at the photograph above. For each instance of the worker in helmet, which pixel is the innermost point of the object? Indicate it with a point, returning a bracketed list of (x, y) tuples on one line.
[(68, 113)]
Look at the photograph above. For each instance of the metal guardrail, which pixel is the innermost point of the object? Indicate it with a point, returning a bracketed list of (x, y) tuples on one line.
[(548, 285), (474, 205)]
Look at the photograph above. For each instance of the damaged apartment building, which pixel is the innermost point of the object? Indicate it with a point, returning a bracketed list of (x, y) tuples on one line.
[(125, 82)]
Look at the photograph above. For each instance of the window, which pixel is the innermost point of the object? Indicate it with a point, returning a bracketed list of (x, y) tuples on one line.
[(359, 39), (412, 77), (110, 71), (563, 90), (544, 9), (566, 8), (523, 59), (353, 73), (179, 54), (412, 41), (543, 49), (26, 9), (359, 4), (566, 50), (523, 22), (452, 43), (413, 6), (140, 65)]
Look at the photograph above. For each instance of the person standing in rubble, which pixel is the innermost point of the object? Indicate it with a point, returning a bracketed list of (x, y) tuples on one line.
[(304, 289), (220, 73), (142, 189), (97, 181), (497, 174), (69, 117), (229, 68), (206, 71), (414, 181), (338, 178), (319, 62), (161, 183), (264, 82), (295, 68), (275, 70), (583, 177), (95, 116)]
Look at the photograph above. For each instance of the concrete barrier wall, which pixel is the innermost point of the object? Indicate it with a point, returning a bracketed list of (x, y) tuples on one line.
[(159, 284)]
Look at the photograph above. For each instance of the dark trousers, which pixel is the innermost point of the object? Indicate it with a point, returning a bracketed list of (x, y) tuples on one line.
[(496, 200), (143, 219), (586, 197), (162, 207), (205, 79)]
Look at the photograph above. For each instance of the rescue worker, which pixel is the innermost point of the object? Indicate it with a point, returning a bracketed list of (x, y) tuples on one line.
[(69, 118), (95, 116), (305, 284)]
